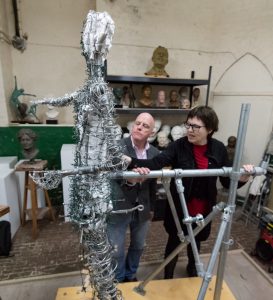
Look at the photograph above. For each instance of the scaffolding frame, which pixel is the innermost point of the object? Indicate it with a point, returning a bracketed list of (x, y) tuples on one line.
[(222, 241)]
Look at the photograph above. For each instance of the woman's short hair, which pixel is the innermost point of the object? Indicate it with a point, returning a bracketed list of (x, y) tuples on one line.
[(207, 115)]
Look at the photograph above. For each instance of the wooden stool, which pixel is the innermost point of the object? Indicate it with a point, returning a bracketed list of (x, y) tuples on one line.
[(3, 210), (35, 213)]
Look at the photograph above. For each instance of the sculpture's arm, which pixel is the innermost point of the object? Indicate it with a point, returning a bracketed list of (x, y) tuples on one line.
[(59, 101)]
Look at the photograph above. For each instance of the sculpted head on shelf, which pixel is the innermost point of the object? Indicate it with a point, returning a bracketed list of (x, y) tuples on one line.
[(27, 138), (177, 132), (162, 139)]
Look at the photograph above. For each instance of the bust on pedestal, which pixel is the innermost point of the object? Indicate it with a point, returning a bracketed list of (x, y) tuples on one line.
[(51, 114)]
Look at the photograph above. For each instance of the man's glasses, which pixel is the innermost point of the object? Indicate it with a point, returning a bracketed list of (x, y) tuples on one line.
[(194, 127)]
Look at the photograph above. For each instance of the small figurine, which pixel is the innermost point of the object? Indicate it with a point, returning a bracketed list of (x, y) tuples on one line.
[(21, 109), (174, 101), (27, 138), (160, 59), (146, 100)]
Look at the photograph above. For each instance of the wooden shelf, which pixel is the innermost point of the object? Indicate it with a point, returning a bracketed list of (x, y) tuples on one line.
[(156, 80)]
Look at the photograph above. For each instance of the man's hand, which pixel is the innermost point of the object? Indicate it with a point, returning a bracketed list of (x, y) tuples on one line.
[(127, 159), (142, 170), (245, 177)]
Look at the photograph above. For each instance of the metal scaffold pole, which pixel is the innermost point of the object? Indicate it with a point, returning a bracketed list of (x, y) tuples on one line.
[(241, 135), (50, 179)]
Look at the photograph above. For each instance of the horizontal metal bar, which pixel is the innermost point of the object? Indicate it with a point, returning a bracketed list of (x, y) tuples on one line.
[(179, 173)]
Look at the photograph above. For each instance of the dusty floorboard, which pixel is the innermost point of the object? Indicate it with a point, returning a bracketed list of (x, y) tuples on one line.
[(243, 277)]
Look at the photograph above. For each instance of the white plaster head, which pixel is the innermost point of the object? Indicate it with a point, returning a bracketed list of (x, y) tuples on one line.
[(157, 125), (166, 128), (130, 126), (178, 132), (162, 139)]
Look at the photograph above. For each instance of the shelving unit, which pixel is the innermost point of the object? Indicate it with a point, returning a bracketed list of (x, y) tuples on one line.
[(167, 111), (160, 81)]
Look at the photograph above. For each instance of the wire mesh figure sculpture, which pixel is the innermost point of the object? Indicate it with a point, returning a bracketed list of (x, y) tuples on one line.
[(97, 147)]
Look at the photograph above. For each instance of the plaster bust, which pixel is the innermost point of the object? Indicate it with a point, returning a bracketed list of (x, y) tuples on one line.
[(177, 132), (162, 139), (195, 97), (161, 99), (155, 130), (52, 112), (166, 128), (129, 126)]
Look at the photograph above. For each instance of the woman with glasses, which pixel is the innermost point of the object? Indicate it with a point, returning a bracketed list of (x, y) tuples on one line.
[(196, 150)]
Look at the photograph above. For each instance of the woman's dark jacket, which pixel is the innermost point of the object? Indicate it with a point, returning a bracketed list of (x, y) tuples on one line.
[(179, 155)]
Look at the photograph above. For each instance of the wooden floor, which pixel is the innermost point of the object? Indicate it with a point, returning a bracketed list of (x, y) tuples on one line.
[(175, 289), (243, 278)]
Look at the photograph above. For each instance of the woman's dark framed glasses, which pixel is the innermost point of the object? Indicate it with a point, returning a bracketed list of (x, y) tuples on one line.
[(194, 127)]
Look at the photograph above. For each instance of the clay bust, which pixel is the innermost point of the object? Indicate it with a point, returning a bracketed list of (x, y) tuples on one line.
[(160, 59), (177, 132), (183, 92), (146, 100), (231, 147), (161, 99), (174, 101), (27, 139), (185, 104)]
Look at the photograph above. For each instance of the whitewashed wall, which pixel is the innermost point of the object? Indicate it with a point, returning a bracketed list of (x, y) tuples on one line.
[(232, 36), (197, 33), (52, 64)]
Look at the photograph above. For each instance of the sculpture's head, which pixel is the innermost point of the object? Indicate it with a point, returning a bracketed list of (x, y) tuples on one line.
[(98, 30)]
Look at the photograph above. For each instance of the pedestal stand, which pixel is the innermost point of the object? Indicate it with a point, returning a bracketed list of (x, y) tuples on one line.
[(34, 212)]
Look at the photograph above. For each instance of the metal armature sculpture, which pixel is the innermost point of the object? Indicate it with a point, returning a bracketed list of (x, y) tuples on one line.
[(97, 147)]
